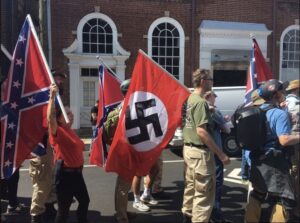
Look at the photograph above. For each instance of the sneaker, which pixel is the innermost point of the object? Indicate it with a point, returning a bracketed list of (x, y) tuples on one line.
[(16, 209), (245, 181), (140, 206), (149, 200)]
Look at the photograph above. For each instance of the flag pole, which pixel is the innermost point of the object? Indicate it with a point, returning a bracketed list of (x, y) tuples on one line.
[(105, 64), (142, 52), (47, 68)]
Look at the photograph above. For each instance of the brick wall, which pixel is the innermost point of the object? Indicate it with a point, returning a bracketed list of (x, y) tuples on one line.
[(134, 17)]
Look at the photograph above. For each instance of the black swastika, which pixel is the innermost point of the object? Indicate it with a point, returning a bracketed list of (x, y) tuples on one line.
[(142, 121)]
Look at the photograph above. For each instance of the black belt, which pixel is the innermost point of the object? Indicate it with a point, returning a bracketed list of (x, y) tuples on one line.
[(194, 145), (72, 170)]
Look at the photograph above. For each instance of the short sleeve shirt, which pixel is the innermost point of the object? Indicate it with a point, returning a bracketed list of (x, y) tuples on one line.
[(197, 114), (279, 123), (68, 147)]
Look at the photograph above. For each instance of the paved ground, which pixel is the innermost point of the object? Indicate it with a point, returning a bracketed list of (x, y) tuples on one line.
[(101, 190)]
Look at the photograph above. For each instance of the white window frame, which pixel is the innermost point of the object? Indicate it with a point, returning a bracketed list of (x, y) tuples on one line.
[(181, 41), (78, 59), (289, 28), (97, 15)]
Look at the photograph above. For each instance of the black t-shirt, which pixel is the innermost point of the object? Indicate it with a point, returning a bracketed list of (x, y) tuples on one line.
[(94, 110)]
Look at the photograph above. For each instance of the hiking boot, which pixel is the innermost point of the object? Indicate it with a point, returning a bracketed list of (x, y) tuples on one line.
[(148, 200), (37, 219), (140, 206), (15, 209)]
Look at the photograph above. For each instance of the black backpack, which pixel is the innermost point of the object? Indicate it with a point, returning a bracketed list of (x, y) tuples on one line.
[(250, 125)]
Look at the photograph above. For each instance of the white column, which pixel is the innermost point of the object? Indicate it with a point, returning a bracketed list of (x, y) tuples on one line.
[(120, 67), (205, 59), (75, 93)]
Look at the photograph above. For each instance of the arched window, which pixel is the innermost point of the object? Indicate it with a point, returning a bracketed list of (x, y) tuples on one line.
[(97, 37), (290, 53), (166, 45), (291, 49)]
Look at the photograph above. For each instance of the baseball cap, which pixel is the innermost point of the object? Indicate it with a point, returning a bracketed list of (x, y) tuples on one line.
[(270, 87), (293, 85)]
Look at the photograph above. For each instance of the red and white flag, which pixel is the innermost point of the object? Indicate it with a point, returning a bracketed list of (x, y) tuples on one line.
[(110, 96), (24, 103), (150, 115)]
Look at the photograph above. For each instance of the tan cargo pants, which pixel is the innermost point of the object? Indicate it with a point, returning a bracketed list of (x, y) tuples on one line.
[(43, 189), (121, 200), (200, 181)]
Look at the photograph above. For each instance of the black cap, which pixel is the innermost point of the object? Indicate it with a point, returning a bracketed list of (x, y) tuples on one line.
[(124, 86), (270, 87), (58, 73)]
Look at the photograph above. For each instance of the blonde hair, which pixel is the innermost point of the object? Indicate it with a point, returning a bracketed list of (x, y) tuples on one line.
[(199, 75)]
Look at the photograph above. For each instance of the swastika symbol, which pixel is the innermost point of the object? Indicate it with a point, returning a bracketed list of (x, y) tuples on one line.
[(146, 121), (142, 121)]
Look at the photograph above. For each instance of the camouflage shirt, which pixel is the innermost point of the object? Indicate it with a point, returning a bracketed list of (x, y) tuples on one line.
[(293, 108)]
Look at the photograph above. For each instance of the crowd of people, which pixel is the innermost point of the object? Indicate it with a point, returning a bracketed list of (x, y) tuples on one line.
[(273, 169)]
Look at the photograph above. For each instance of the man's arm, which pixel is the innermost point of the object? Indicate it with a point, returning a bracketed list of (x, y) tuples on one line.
[(210, 143), (51, 114), (289, 140)]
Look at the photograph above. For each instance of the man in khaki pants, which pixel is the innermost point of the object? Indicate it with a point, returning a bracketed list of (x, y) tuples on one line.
[(41, 172), (198, 153)]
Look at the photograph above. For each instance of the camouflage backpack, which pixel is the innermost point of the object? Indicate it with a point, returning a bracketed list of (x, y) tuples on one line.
[(110, 125)]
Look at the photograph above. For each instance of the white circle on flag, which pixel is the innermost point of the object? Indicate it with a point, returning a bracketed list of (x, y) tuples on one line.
[(158, 110)]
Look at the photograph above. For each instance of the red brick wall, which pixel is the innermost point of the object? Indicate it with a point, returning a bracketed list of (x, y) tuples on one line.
[(134, 17)]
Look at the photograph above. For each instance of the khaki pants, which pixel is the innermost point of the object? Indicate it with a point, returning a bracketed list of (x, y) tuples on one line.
[(199, 192), (41, 172), (295, 177), (121, 199)]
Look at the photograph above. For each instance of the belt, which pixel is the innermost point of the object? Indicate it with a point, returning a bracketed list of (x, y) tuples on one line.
[(72, 170), (194, 145)]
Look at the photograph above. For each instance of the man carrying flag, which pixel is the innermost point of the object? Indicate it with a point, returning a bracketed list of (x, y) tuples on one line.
[(150, 114), (258, 73), (24, 101)]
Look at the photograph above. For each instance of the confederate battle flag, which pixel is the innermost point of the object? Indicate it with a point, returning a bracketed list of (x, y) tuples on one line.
[(110, 96), (24, 101), (258, 71), (150, 115)]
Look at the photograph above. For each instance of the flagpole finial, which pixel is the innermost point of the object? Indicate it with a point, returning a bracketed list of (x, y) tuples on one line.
[(252, 35)]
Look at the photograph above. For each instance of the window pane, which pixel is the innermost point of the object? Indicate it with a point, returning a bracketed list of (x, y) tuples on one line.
[(101, 38), (284, 64), (86, 28), (86, 48), (93, 72), (162, 41), (93, 22), (154, 41), (101, 49), (109, 39), (109, 49), (155, 51), (93, 38), (93, 48)]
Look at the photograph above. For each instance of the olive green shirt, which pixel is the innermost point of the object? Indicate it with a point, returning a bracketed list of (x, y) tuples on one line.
[(196, 114)]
